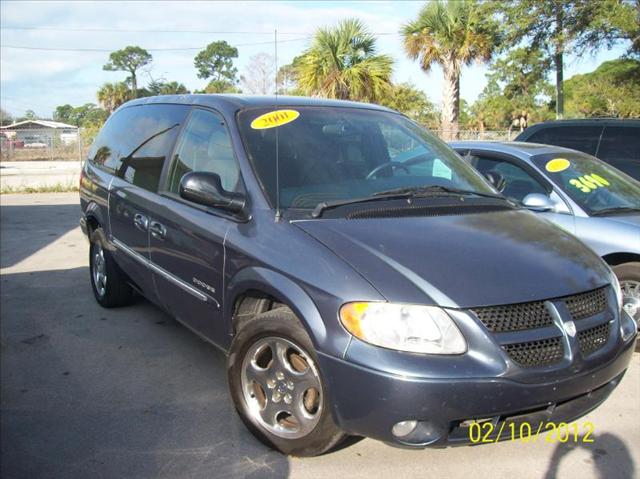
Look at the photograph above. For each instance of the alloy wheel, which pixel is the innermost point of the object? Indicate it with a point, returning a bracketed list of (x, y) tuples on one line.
[(99, 270), (631, 298), (281, 387)]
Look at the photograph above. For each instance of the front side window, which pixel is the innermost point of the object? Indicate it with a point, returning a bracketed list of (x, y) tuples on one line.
[(593, 184), (204, 146), (336, 153), (518, 183)]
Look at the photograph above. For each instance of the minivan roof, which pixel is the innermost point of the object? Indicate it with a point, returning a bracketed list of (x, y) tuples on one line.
[(231, 103), (587, 121)]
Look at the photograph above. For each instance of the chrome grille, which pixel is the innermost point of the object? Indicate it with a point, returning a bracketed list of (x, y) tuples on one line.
[(543, 352), (592, 339)]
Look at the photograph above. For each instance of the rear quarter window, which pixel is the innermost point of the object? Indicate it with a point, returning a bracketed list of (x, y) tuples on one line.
[(136, 141), (582, 138), (620, 143)]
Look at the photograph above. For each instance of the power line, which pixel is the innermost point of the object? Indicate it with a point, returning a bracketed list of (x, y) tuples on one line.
[(128, 30), (52, 49)]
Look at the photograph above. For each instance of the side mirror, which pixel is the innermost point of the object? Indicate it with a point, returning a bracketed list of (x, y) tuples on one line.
[(538, 202), (496, 179), (205, 188)]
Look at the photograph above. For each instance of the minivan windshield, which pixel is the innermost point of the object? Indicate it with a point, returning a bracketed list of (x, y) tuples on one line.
[(333, 154), (596, 186)]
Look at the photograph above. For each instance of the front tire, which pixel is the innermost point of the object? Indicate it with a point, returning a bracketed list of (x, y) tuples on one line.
[(628, 275), (277, 387), (108, 282)]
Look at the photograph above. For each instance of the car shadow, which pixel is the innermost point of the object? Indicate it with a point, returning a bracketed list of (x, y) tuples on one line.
[(19, 239), (610, 456), (127, 392)]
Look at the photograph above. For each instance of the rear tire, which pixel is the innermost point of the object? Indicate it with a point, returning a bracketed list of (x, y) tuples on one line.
[(629, 277), (108, 281), (277, 388)]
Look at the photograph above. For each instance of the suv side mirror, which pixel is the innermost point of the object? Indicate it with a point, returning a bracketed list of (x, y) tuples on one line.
[(205, 188), (496, 179), (538, 202)]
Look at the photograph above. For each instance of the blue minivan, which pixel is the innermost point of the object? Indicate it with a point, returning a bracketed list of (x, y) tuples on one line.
[(360, 276)]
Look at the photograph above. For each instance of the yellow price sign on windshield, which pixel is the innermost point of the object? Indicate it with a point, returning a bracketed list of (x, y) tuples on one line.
[(557, 165), (588, 183), (274, 119)]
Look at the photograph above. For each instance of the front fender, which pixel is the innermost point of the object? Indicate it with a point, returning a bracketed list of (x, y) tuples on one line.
[(286, 291)]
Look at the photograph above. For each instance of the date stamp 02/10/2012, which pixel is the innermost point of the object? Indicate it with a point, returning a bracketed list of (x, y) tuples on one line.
[(525, 432)]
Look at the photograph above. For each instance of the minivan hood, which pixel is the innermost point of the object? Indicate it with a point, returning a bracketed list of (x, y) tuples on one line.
[(463, 260)]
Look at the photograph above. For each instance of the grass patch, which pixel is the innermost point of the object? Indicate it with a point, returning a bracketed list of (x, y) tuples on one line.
[(57, 188)]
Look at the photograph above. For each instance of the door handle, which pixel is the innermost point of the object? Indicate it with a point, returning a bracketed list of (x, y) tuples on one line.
[(157, 230), (141, 222)]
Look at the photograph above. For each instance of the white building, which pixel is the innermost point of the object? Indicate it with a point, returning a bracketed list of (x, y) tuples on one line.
[(41, 132)]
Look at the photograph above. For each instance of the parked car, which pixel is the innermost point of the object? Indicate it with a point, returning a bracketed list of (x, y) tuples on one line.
[(36, 144), (362, 278), (36, 141), (585, 196), (612, 140)]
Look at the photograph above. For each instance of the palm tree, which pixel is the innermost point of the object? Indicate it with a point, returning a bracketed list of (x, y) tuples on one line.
[(161, 87), (451, 33), (342, 63), (112, 95)]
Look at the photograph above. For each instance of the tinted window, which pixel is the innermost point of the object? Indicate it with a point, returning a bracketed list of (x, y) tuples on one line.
[(204, 146), (518, 183), (581, 138), (593, 184), (136, 141), (620, 146), (100, 153), (329, 153)]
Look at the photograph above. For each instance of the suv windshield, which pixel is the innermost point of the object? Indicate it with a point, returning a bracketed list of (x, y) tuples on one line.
[(329, 154), (597, 187)]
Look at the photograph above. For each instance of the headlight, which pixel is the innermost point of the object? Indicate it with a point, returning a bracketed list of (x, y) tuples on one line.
[(404, 327), (615, 284)]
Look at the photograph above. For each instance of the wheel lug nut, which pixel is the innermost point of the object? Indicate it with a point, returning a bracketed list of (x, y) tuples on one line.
[(280, 375), (287, 398), (276, 396), (290, 385), (271, 383)]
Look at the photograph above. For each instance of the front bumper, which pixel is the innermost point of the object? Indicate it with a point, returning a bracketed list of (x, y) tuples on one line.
[(368, 402)]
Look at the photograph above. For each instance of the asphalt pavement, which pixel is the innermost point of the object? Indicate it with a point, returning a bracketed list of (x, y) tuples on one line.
[(129, 393)]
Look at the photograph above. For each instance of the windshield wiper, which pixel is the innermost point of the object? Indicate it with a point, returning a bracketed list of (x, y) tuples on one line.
[(327, 205), (614, 210), (435, 190), (401, 193)]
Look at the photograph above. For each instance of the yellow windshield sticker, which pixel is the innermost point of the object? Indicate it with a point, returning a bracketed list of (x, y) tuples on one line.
[(588, 183), (274, 118), (557, 165)]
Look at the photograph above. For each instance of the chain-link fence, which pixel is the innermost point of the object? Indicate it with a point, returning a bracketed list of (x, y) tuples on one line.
[(487, 135), (44, 144), (47, 145)]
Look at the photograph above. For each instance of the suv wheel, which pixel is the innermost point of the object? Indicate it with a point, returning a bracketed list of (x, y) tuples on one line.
[(629, 276), (109, 283), (277, 387)]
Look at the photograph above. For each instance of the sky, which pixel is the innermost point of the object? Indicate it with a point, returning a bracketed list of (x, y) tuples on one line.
[(41, 76)]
